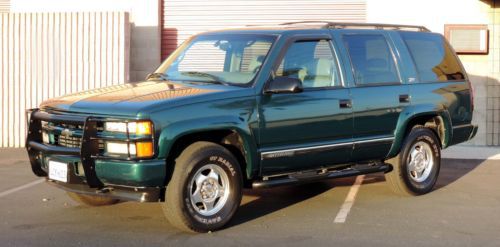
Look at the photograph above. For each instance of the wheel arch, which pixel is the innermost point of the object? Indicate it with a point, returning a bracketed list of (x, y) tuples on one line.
[(237, 139), (438, 121)]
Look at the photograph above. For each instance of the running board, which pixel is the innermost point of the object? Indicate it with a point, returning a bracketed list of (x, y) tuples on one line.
[(316, 175)]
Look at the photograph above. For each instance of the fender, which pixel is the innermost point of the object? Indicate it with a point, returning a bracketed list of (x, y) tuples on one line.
[(412, 112), (174, 131)]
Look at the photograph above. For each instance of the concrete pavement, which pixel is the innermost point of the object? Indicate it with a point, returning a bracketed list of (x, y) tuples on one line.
[(463, 210)]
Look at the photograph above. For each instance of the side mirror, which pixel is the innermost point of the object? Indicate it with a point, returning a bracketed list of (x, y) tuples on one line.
[(283, 84)]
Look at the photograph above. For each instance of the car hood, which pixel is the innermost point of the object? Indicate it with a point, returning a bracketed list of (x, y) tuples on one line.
[(135, 99)]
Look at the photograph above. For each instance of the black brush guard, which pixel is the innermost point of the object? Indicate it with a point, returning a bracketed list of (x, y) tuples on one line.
[(89, 147), (88, 152)]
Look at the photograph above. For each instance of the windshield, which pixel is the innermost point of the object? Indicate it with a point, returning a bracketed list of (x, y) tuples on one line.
[(225, 59)]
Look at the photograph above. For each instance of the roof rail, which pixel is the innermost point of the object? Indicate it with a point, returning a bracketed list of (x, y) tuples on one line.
[(342, 25), (304, 22)]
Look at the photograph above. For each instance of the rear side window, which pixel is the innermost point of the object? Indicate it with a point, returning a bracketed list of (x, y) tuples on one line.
[(371, 58), (433, 57)]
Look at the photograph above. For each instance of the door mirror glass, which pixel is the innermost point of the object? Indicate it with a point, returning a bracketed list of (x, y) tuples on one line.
[(283, 84)]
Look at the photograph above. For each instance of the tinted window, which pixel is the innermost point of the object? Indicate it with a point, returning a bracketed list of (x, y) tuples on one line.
[(434, 59), (371, 58), (312, 62)]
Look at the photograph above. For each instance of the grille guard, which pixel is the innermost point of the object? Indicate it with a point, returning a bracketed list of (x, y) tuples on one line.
[(89, 146)]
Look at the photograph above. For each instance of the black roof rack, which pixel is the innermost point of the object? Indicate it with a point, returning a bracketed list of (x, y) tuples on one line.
[(342, 25)]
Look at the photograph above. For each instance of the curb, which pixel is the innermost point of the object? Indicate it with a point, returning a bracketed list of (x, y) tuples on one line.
[(471, 153)]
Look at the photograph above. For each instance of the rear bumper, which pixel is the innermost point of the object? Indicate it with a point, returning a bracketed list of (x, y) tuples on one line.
[(89, 173), (463, 133), (473, 132)]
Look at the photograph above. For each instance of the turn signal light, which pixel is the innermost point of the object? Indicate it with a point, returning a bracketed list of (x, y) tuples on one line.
[(144, 149)]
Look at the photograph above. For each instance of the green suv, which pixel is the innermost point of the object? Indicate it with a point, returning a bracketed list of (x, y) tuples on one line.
[(260, 107)]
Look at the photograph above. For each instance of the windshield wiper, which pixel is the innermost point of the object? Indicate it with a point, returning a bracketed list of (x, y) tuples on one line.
[(160, 76), (215, 79)]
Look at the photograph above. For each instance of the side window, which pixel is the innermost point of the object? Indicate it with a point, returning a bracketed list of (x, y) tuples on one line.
[(434, 59), (371, 58), (312, 62)]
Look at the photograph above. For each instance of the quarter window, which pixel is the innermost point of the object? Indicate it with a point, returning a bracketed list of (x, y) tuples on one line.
[(371, 58), (312, 62), (433, 57)]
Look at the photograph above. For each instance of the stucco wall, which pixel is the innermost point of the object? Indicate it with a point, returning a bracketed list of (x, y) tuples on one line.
[(482, 69), (144, 18)]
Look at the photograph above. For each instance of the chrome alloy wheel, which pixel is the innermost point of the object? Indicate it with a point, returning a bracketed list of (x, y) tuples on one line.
[(420, 161), (209, 189)]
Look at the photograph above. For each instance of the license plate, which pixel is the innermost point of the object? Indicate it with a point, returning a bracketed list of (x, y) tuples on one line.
[(58, 171)]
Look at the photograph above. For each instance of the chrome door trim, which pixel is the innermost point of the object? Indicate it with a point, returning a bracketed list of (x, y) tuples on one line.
[(290, 152)]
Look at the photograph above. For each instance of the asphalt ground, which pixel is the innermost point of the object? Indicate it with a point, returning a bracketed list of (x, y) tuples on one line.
[(463, 210)]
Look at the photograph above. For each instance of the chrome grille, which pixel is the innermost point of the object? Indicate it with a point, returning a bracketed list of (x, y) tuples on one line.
[(67, 141), (66, 137)]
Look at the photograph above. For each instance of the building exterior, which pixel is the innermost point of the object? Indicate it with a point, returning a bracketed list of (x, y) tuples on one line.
[(158, 26)]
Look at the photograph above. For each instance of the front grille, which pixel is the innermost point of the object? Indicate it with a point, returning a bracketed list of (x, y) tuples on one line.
[(67, 135), (67, 141)]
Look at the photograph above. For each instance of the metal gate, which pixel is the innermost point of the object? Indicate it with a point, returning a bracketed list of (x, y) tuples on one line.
[(45, 55), (183, 18)]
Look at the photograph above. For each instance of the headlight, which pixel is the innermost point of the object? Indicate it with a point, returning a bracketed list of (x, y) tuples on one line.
[(138, 128), (115, 126), (140, 149), (118, 148)]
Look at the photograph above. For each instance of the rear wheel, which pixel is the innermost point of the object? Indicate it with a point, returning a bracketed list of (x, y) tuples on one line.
[(205, 189), (416, 167), (91, 200)]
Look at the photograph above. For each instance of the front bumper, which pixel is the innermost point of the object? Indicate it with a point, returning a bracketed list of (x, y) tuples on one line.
[(88, 172), (144, 194)]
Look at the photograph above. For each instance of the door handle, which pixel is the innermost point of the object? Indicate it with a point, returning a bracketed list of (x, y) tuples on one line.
[(404, 98), (345, 103)]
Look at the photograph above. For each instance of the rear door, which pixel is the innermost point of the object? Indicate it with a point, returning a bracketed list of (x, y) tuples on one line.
[(441, 80), (378, 94), (313, 128)]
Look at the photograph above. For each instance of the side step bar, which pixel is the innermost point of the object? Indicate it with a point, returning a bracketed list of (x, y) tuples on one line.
[(316, 175)]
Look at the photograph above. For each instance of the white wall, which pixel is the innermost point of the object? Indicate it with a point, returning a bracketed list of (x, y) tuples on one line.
[(145, 37), (434, 14), (430, 13)]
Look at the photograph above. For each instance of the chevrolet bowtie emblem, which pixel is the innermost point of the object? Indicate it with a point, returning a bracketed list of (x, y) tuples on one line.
[(66, 132)]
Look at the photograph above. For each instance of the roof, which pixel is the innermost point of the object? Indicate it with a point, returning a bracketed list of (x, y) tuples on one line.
[(316, 25)]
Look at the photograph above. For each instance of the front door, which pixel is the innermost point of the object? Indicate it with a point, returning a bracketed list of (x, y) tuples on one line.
[(313, 128)]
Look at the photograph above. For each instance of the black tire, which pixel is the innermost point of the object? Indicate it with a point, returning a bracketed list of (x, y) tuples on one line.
[(91, 200), (405, 182), (180, 206)]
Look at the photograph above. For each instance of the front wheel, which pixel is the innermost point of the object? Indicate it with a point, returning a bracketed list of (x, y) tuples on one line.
[(416, 167), (205, 189)]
